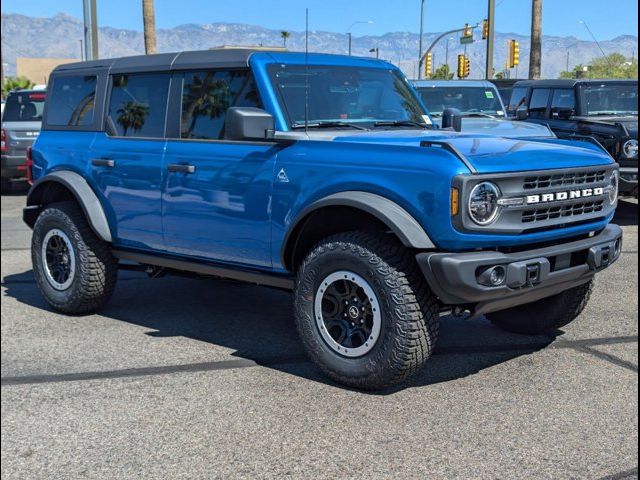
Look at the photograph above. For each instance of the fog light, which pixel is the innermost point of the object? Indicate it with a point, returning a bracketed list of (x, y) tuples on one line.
[(493, 277), (618, 248)]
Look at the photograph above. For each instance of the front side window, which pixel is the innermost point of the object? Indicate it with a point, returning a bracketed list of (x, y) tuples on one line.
[(206, 97), (563, 99), (469, 100), (138, 105), (344, 95), (538, 103), (609, 99), (518, 99), (72, 101)]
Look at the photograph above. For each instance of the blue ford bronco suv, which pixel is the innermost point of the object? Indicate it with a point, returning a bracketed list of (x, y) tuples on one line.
[(319, 174)]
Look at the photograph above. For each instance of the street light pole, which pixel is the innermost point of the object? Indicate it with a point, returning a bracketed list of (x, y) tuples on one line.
[(421, 35), (90, 30), (491, 15), (353, 25)]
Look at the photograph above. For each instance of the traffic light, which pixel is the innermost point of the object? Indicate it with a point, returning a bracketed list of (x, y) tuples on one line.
[(485, 29), (428, 65), (514, 54), (461, 66), (468, 31), (464, 66)]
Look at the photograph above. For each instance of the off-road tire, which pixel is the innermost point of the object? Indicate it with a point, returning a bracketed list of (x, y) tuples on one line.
[(409, 311), (6, 186), (544, 315), (96, 270)]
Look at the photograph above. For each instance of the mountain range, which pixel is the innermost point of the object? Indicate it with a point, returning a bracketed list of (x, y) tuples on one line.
[(59, 36)]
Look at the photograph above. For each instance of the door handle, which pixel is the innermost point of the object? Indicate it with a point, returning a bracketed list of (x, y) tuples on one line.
[(103, 162), (181, 168)]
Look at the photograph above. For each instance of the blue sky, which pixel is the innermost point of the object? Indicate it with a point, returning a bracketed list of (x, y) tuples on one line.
[(606, 18)]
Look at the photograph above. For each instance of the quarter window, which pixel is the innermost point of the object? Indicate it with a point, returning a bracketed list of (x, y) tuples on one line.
[(206, 97), (72, 101), (138, 105), (539, 102)]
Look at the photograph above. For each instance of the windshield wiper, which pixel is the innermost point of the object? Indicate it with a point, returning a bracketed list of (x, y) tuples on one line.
[(479, 114), (400, 123), (298, 126)]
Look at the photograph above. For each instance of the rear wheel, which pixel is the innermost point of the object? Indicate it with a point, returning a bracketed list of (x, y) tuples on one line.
[(363, 311), (544, 315), (74, 269)]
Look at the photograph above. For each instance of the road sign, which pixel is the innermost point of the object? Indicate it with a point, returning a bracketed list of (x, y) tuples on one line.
[(466, 40)]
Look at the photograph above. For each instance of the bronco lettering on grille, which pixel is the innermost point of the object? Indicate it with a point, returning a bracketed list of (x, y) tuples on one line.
[(570, 195)]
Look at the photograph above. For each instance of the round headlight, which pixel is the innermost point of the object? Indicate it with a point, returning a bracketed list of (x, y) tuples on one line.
[(613, 187), (630, 148), (483, 203)]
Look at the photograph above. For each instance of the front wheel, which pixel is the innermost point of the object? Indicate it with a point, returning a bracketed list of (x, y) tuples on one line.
[(364, 313), (544, 315), (74, 269)]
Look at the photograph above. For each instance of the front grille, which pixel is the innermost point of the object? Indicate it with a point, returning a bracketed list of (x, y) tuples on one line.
[(564, 179), (563, 211)]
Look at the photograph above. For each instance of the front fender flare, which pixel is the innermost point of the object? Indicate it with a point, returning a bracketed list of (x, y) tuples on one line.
[(401, 222), (83, 193)]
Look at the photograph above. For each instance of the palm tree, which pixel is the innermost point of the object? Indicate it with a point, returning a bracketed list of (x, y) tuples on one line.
[(285, 36), (535, 58), (132, 116), (15, 83), (149, 21)]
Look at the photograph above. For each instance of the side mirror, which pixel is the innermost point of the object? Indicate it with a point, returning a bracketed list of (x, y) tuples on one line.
[(452, 118), (247, 123), (522, 113)]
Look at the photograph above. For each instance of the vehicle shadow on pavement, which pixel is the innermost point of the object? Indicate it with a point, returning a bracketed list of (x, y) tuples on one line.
[(626, 214), (257, 323)]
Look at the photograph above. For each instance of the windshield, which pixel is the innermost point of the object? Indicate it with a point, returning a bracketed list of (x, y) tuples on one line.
[(351, 97), (24, 107), (609, 99), (468, 100)]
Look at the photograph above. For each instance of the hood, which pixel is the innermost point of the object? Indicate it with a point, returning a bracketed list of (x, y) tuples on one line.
[(502, 127), (490, 154), (629, 122)]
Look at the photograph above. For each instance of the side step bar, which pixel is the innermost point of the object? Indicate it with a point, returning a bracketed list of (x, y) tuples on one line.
[(204, 268)]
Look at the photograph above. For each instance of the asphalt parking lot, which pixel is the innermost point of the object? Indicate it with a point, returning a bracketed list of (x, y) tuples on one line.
[(185, 378)]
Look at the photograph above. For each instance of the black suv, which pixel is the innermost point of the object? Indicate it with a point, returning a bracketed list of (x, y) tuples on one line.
[(605, 110)]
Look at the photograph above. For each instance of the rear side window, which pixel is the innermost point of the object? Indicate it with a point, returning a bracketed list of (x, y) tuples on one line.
[(538, 103), (206, 97), (72, 101), (138, 105)]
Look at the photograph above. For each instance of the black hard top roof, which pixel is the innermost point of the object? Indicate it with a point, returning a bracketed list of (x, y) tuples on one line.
[(222, 57), (570, 83)]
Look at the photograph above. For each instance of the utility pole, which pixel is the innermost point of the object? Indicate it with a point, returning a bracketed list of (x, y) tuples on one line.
[(421, 35), (90, 30), (491, 15), (535, 58)]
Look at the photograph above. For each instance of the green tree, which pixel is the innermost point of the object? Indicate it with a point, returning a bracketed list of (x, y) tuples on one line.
[(442, 73), (285, 36), (15, 83), (614, 65)]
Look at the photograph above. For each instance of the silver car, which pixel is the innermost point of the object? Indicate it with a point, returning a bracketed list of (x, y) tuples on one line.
[(480, 105), (21, 121)]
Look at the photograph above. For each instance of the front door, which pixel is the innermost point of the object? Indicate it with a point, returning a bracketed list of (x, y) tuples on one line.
[(126, 161), (216, 200)]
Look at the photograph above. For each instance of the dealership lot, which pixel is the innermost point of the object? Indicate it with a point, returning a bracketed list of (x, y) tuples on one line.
[(185, 378)]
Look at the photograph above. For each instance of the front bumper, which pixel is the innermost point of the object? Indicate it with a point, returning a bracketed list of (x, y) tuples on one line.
[(530, 275)]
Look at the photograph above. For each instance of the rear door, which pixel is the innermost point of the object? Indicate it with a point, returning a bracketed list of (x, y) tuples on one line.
[(126, 160), (216, 199)]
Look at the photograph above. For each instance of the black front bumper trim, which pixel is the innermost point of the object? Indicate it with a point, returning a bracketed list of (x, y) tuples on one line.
[(531, 275)]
